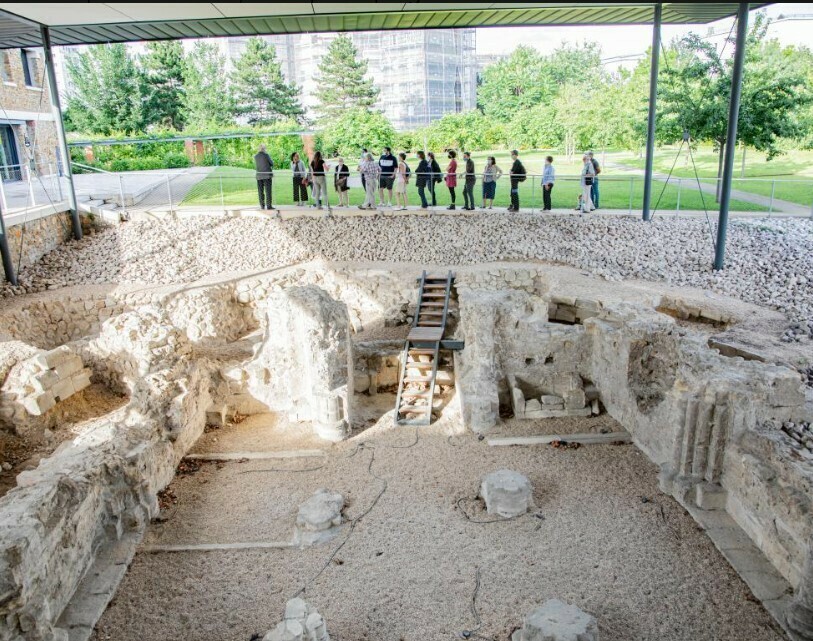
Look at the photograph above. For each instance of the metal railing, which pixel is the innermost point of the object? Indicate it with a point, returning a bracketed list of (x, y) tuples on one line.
[(26, 186)]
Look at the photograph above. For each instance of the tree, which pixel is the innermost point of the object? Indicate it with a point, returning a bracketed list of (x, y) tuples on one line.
[(697, 86), (164, 70), (535, 128), (207, 101), (261, 94), (573, 106), (341, 80), (513, 84), (355, 129), (468, 130), (107, 91)]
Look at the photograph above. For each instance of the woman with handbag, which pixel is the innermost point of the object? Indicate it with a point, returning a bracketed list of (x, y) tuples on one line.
[(588, 175), (340, 177), (436, 176), (300, 177)]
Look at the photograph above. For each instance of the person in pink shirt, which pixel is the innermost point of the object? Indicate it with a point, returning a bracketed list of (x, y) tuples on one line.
[(451, 175)]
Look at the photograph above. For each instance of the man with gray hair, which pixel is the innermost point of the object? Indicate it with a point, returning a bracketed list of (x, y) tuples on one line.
[(264, 173)]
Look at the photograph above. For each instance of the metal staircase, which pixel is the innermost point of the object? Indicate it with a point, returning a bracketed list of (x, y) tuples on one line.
[(419, 363)]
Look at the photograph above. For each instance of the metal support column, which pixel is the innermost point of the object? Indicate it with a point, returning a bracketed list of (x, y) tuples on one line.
[(5, 253), (731, 134), (60, 130), (653, 98)]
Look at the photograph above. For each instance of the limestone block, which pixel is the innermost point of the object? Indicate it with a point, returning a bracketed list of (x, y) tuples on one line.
[(557, 621), (532, 405), (506, 493), (63, 389), (321, 511), (81, 379), (49, 360), (38, 404), (301, 623), (546, 413), (44, 380), (551, 399), (711, 496), (575, 399)]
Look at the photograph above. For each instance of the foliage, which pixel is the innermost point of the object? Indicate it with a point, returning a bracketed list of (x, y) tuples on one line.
[(208, 101), (261, 94), (164, 72), (468, 130), (108, 90), (341, 82), (355, 129), (697, 86)]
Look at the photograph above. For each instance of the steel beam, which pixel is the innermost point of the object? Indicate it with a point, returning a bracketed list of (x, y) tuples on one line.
[(53, 90), (653, 101), (5, 253), (731, 135)]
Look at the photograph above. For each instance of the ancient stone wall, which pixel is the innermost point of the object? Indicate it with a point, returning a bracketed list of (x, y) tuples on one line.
[(37, 237)]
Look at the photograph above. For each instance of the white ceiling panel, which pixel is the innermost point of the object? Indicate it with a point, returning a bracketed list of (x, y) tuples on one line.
[(156, 11), (248, 9), (53, 13)]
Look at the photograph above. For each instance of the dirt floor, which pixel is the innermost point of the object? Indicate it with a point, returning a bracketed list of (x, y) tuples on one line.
[(602, 536), (76, 415)]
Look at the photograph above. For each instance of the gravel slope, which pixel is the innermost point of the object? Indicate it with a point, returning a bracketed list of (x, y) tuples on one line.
[(769, 262)]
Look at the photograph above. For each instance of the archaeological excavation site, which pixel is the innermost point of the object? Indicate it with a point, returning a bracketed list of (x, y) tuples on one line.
[(485, 447)]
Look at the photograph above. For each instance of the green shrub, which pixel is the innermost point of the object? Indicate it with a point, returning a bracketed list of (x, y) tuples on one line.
[(175, 160), (120, 164)]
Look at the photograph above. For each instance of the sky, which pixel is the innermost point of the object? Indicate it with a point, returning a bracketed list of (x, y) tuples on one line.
[(623, 41)]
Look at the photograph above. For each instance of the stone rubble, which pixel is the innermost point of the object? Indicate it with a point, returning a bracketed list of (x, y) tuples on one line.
[(301, 623), (318, 517), (768, 262), (557, 621), (506, 493)]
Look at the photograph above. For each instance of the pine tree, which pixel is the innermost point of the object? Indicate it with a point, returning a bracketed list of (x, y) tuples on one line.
[(341, 82), (207, 101), (107, 91), (261, 94), (163, 67)]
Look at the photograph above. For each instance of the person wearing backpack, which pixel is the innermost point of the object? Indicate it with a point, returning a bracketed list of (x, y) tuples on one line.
[(264, 173), (594, 189), (468, 184), (401, 180), (435, 178), (517, 175), (388, 165)]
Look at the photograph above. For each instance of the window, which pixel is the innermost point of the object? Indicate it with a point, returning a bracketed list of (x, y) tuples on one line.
[(29, 59)]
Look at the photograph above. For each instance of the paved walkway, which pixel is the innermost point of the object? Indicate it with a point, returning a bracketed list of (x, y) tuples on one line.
[(783, 206)]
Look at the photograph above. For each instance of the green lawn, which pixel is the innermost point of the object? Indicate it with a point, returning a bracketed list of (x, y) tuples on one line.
[(789, 177), (616, 192)]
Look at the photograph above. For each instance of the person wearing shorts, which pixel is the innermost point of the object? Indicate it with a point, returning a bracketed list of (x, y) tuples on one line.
[(388, 165), (401, 180)]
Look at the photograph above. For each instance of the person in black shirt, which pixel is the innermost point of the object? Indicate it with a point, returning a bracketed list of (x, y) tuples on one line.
[(423, 177), (264, 168), (468, 185), (340, 178), (388, 165), (517, 175), (435, 178)]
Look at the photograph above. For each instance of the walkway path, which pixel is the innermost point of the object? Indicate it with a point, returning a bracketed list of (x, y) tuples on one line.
[(784, 206)]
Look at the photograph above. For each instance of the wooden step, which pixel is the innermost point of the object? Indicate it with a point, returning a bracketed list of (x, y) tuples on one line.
[(420, 351), (435, 305), (427, 313), (429, 324), (430, 295), (414, 394), (423, 409), (418, 379), (419, 365), (431, 286)]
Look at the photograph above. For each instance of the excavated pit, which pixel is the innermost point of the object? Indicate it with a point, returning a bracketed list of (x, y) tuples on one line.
[(217, 409)]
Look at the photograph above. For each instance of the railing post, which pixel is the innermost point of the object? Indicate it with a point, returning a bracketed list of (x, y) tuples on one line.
[(631, 189), (533, 194), (3, 194), (169, 194), (677, 209), (773, 191), (121, 193), (5, 254), (222, 195), (30, 186), (58, 179)]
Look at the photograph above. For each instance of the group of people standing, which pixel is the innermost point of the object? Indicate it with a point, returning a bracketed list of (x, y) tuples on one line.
[(391, 173)]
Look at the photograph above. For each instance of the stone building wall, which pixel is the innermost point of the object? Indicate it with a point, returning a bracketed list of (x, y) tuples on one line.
[(37, 237)]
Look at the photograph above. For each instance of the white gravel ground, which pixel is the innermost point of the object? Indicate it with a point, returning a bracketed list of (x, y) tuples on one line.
[(769, 262)]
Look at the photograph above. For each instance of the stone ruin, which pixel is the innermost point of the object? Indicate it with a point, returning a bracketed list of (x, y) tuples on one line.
[(537, 345), (557, 621), (506, 493), (300, 623)]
